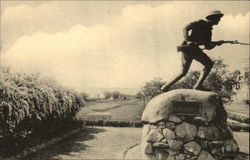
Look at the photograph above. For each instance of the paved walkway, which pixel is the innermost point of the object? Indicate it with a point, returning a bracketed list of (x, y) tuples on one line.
[(92, 143)]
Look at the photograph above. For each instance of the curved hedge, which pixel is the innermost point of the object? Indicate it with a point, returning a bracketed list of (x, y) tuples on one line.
[(238, 117), (29, 103)]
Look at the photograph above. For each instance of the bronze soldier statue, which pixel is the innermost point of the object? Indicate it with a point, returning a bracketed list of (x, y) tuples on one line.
[(201, 33)]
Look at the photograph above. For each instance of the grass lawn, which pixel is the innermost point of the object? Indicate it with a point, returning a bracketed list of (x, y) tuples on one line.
[(242, 109), (128, 110)]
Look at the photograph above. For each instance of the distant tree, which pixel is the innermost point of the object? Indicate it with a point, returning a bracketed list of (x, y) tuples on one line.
[(84, 96), (116, 94), (107, 94), (152, 88), (225, 85), (139, 95), (223, 82), (247, 77), (125, 98)]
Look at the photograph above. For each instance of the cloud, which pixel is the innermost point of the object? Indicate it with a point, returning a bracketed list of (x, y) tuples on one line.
[(51, 17), (128, 50)]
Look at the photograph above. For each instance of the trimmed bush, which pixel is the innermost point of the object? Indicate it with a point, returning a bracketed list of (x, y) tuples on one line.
[(238, 117), (30, 105)]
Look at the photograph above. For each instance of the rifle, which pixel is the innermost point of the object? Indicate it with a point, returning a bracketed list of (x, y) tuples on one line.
[(183, 47)]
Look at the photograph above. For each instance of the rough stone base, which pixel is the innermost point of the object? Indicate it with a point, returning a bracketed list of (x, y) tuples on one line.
[(186, 124), (187, 140)]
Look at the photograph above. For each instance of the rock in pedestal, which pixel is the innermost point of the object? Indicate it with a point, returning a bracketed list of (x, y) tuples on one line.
[(214, 133), (188, 156), (225, 132), (170, 125), (154, 135), (215, 151), (174, 118), (161, 154), (186, 131), (164, 140), (204, 155), (172, 152), (180, 157), (153, 126), (161, 125), (231, 146), (168, 134), (149, 149), (209, 113), (160, 145), (192, 147), (209, 133), (175, 144), (194, 158), (171, 158)]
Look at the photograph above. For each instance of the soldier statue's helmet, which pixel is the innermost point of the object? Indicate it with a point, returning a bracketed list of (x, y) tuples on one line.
[(215, 13)]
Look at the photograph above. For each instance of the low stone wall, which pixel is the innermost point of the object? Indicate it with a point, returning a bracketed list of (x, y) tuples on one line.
[(187, 125)]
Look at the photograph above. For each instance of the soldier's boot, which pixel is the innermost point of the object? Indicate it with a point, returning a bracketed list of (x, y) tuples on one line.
[(202, 88), (202, 77), (165, 88)]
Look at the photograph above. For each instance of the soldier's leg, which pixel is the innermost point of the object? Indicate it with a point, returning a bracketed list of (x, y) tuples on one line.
[(208, 65), (186, 62)]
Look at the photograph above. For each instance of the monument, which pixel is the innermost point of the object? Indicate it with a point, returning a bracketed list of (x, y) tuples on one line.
[(187, 124)]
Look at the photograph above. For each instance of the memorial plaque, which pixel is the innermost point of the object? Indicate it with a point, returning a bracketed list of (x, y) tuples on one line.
[(186, 108)]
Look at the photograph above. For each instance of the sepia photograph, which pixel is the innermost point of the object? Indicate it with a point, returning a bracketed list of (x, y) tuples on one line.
[(124, 80)]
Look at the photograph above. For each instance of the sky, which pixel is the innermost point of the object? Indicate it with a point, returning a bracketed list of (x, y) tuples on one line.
[(110, 44)]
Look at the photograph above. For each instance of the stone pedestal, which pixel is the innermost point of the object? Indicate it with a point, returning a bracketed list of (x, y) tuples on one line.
[(187, 124)]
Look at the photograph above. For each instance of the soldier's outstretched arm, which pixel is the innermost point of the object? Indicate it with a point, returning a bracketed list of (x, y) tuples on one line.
[(212, 44), (209, 46)]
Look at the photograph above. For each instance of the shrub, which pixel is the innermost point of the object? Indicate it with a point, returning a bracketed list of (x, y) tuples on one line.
[(29, 103)]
